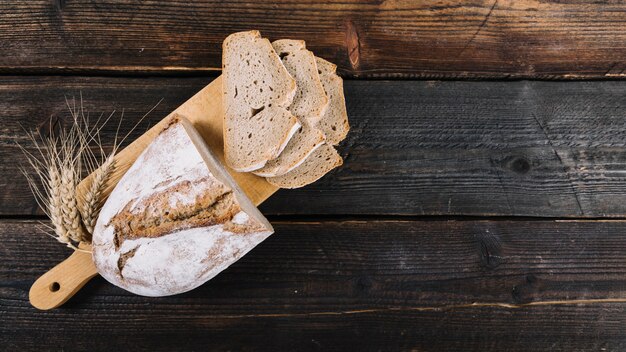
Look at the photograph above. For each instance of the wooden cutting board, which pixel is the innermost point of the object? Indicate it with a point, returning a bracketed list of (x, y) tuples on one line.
[(204, 110)]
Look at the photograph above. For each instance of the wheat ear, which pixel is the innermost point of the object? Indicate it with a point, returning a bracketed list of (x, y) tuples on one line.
[(93, 197), (54, 206), (57, 168)]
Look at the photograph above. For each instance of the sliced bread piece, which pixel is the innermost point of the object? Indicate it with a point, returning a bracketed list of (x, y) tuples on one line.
[(309, 104), (250, 142), (175, 219), (318, 164), (304, 142), (253, 73), (257, 88), (310, 100), (334, 123)]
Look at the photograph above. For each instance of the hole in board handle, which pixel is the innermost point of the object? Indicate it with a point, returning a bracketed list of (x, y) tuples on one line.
[(54, 287)]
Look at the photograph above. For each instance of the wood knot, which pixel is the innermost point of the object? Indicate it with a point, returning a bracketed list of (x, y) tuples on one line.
[(490, 250), (353, 45), (518, 164), (364, 283), (50, 126), (59, 4), (524, 293)]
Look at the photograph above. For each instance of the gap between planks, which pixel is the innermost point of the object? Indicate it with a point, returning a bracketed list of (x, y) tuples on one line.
[(428, 308), (366, 75), (321, 218)]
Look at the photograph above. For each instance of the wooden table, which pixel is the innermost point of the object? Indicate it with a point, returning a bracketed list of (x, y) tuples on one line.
[(470, 214)]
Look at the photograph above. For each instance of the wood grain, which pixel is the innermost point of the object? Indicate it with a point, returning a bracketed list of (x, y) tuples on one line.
[(526, 148), (393, 38), (350, 285)]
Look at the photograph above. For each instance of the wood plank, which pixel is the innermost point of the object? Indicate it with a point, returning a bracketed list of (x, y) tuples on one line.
[(416, 148), (402, 38), (350, 285)]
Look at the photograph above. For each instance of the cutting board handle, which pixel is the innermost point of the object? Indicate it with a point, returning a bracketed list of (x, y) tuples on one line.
[(59, 284)]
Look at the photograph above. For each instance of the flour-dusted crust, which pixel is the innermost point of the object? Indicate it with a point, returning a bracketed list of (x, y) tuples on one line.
[(175, 219)]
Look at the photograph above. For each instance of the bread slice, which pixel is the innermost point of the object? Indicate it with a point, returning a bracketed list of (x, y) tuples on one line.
[(304, 142), (175, 219), (257, 89), (334, 123), (310, 100), (250, 142), (253, 73), (318, 164), (309, 104)]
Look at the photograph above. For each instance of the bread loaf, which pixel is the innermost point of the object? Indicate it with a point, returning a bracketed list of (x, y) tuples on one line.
[(175, 219), (257, 90)]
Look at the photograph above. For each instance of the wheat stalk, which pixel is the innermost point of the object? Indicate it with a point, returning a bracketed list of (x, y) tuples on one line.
[(60, 161), (57, 166), (93, 196)]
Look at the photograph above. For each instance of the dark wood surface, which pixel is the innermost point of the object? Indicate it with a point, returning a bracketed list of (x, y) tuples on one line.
[(551, 149), (469, 215), (392, 38), (345, 284)]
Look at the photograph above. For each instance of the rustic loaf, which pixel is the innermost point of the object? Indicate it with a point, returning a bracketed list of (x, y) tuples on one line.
[(308, 106), (175, 219), (257, 90)]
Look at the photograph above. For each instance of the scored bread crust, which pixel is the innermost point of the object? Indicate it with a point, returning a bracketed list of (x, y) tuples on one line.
[(175, 219), (309, 105), (318, 164), (257, 90), (334, 124)]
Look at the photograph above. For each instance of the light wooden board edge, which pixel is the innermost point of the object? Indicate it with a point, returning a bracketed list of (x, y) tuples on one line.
[(204, 110)]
